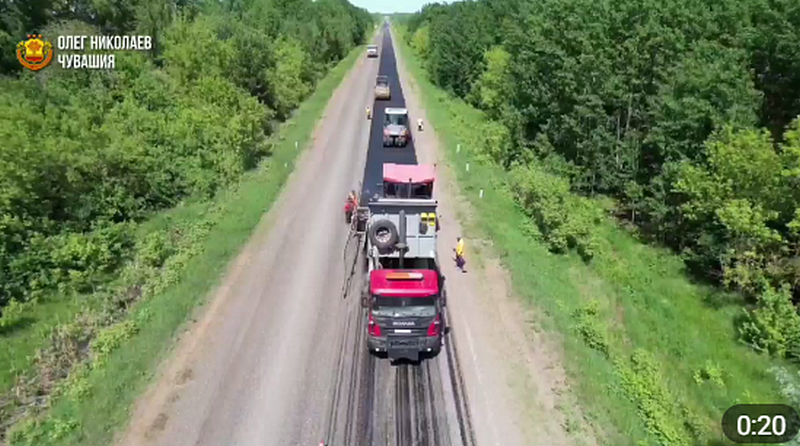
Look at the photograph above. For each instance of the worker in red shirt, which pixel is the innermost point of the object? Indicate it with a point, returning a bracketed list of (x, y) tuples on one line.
[(350, 205)]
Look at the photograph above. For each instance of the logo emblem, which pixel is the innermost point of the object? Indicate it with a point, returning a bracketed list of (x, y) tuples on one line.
[(34, 53), (404, 323)]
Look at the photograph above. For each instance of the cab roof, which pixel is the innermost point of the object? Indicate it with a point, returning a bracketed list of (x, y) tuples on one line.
[(405, 173), (395, 111), (423, 283)]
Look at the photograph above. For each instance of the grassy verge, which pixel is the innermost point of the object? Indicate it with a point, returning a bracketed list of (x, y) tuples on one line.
[(21, 341), (653, 357), (95, 400)]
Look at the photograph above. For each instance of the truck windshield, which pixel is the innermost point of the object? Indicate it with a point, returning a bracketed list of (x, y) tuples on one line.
[(404, 306), (396, 119), (405, 190), (382, 81)]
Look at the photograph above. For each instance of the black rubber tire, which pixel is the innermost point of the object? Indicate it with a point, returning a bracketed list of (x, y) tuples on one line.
[(383, 226)]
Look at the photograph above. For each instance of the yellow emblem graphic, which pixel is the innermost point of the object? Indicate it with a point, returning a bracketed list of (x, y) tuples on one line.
[(34, 53)]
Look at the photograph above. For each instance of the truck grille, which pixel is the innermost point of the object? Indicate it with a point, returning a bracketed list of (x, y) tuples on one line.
[(404, 327)]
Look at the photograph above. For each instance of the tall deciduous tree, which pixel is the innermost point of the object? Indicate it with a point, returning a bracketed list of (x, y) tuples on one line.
[(86, 155)]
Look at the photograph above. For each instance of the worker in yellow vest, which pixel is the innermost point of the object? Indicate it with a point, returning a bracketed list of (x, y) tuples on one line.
[(460, 262)]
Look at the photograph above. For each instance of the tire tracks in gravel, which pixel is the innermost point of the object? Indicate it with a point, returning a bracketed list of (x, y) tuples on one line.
[(401, 404)]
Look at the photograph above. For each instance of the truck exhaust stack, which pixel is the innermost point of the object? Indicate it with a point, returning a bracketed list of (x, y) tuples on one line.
[(401, 242)]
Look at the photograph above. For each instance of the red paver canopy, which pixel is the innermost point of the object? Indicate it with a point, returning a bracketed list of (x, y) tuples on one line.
[(403, 173), (425, 284)]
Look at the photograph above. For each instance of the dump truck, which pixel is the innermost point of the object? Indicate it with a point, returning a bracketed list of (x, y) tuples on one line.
[(372, 50), (403, 293), (382, 90), (395, 127)]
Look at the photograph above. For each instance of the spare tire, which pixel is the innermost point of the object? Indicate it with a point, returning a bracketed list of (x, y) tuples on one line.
[(383, 234)]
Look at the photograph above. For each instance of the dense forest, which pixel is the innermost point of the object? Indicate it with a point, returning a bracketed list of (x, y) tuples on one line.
[(684, 112), (87, 154)]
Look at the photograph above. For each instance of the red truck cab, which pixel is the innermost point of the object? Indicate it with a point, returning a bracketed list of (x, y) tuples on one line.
[(403, 290), (405, 312)]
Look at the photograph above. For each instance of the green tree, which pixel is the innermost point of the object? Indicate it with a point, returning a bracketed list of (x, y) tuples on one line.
[(421, 41), (86, 155), (735, 198), (494, 88), (287, 77), (773, 49)]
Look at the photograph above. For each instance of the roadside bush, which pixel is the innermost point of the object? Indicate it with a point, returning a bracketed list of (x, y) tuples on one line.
[(31, 432), (153, 249), (590, 327), (12, 314), (72, 349), (109, 339), (564, 220), (420, 41), (495, 141), (737, 203), (773, 327), (709, 372), (69, 261), (659, 410)]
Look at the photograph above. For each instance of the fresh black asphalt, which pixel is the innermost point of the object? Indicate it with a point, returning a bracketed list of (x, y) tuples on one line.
[(377, 155)]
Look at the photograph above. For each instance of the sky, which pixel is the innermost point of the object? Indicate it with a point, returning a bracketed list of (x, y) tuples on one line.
[(392, 5)]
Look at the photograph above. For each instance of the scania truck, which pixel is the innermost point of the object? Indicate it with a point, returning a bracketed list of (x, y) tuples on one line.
[(404, 293)]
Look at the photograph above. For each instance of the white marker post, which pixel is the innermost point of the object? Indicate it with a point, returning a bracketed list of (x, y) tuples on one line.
[(467, 167), (458, 148), (481, 194), (295, 144)]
